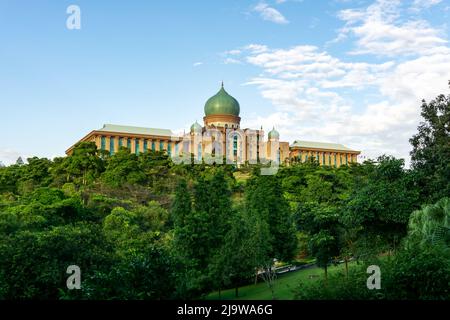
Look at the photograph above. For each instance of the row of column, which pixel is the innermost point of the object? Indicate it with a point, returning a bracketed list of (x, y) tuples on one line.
[(331, 158), (106, 144)]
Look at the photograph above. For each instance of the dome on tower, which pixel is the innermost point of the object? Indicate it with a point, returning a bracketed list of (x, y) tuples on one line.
[(273, 134), (196, 127), (222, 103)]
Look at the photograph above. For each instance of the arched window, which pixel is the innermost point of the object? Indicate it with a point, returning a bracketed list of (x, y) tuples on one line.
[(235, 145)]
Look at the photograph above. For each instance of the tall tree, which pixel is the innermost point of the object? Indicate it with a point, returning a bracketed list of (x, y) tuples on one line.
[(123, 168), (264, 198), (181, 205), (321, 222), (431, 149), (381, 205), (84, 165)]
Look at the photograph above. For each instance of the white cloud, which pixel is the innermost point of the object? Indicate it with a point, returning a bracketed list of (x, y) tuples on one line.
[(196, 64), (381, 29), (424, 4), (373, 107), (234, 52), (270, 14), (231, 61), (256, 48)]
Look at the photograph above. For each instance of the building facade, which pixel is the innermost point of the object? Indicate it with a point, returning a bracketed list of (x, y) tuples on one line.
[(220, 136)]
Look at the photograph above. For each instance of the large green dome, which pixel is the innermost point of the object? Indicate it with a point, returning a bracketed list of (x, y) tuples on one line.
[(222, 103)]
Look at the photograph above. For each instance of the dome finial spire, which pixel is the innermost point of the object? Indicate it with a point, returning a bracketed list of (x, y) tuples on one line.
[(222, 83)]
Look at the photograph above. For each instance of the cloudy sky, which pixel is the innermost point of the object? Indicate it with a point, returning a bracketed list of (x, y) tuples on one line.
[(352, 72)]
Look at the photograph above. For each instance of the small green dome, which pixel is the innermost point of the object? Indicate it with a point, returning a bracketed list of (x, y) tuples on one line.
[(196, 127), (273, 134), (222, 103)]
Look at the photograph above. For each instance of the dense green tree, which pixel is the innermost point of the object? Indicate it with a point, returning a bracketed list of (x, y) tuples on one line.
[(430, 225), (321, 222), (147, 275), (123, 168), (156, 166), (234, 264), (382, 204), (264, 198), (34, 264), (9, 178), (84, 165), (34, 174), (181, 205), (431, 149)]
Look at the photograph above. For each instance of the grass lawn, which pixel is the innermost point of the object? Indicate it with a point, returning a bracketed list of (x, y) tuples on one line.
[(283, 285)]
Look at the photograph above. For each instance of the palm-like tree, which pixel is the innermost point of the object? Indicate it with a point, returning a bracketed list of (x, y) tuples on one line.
[(431, 224)]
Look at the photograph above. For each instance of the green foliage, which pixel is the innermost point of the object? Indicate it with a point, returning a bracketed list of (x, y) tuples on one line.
[(414, 273), (431, 149), (123, 168), (338, 287), (430, 225), (34, 264), (264, 198), (83, 167), (382, 204), (322, 225)]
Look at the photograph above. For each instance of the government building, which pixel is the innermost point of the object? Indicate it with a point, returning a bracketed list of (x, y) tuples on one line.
[(221, 136)]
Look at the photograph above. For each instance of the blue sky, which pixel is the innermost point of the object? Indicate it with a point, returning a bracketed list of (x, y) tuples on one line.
[(344, 71)]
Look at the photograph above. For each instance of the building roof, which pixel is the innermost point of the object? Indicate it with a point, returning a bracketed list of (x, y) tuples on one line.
[(222, 103), (136, 130), (320, 145)]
